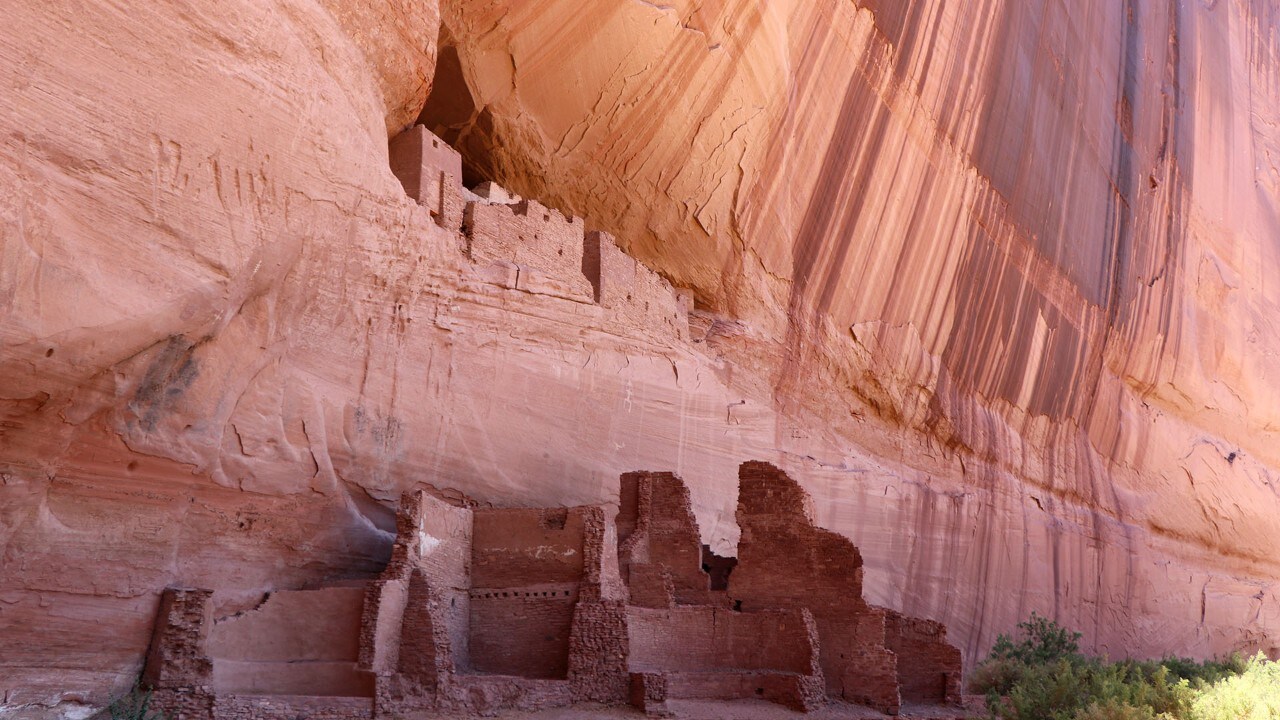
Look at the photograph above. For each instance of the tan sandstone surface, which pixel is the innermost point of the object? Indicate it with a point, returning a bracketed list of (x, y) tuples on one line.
[(995, 280)]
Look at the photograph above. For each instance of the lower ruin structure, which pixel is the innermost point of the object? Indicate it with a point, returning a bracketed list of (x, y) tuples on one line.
[(482, 609)]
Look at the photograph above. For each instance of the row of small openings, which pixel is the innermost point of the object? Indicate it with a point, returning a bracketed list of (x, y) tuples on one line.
[(518, 594)]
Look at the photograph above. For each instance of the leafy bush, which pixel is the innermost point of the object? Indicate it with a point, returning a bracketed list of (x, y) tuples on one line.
[(1043, 641), (1041, 675), (1254, 694)]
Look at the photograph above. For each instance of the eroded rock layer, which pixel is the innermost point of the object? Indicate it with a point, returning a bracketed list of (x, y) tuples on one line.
[(995, 279)]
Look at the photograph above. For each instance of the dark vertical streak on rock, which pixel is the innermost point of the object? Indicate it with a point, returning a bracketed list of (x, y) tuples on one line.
[(1119, 221), (826, 229)]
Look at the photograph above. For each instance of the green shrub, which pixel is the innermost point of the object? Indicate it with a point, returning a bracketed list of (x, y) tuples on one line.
[(1254, 694), (1042, 641), (1041, 675)]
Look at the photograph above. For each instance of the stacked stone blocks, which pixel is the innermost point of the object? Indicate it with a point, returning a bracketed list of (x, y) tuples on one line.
[(521, 244), (484, 609)]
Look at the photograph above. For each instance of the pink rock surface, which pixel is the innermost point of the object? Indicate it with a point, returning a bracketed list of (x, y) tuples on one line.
[(993, 281)]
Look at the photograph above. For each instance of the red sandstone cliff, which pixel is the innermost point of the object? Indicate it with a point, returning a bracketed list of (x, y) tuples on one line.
[(995, 280)]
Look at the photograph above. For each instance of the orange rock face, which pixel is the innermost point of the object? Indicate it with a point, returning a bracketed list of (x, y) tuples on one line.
[(994, 281)]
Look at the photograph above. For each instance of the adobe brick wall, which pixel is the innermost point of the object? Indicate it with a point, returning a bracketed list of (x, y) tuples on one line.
[(630, 293), (533, 237), (178, 657), (659, 541), (784, 560), (268, 707), (431, 173), (929, 669), (703, 638)]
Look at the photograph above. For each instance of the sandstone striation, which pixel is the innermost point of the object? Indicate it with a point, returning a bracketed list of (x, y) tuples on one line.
[(993, 280)]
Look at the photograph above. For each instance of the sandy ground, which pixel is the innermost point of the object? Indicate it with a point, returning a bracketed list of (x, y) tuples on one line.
[(742, 710)]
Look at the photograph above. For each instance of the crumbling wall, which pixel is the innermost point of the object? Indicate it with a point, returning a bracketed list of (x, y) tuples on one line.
[(784, 560), (715, 653), (599, 644), (178, 657), (522, 244), (275, 707), (413, 634), (718, 568), (534, 238), (480, 610), (660, 550), (929, 668)]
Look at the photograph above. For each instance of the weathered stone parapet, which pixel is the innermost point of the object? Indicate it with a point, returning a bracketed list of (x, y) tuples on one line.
[(546, 245)]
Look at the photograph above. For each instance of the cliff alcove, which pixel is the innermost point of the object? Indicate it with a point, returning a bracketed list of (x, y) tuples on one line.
[(994, 282)]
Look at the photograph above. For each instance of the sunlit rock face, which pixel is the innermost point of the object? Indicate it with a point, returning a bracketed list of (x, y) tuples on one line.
[(1018, 253), (995, 281)]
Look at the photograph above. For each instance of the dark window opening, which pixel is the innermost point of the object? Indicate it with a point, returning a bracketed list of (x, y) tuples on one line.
[(717, 567)]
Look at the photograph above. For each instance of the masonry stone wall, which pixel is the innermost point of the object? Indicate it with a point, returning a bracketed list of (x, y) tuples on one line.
[(526, 566), (483, 609), (178, 657), (535, 238), (659, 544), (273, 707), (599, 648), (520, 244), (431, 173), (632, 294), (706, 638), (521, 589), (784, 560), (929, 669)]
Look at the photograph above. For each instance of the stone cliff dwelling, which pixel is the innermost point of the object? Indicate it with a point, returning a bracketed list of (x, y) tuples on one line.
[(522, 245), (482, 609)]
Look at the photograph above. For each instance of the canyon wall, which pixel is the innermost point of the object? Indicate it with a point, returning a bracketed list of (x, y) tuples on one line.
[(994, 280)]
